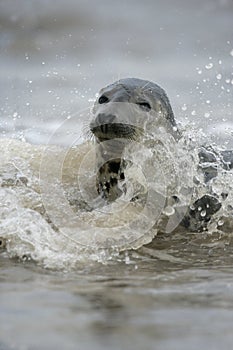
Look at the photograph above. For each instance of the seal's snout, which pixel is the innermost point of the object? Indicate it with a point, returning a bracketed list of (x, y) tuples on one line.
[(102, 125), (108, 126), (104, 119)]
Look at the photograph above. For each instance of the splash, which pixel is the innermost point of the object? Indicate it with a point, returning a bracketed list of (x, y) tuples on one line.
[(56, 218)]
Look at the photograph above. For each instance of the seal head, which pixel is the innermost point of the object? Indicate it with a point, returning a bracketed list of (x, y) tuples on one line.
[(144, 94)]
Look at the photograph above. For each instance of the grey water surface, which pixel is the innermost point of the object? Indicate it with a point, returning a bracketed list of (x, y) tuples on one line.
[(54, 57)]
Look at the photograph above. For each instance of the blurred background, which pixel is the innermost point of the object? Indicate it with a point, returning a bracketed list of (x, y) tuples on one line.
[(56, 55)]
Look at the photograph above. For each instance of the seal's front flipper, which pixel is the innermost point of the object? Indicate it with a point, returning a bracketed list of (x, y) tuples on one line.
[(200, 212)]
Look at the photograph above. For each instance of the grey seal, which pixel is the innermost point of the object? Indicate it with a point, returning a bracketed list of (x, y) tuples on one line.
[(147, 96), (108, 123)]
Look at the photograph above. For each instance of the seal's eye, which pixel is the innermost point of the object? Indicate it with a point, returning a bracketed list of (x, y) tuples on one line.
[(103, 99), (144, 105)]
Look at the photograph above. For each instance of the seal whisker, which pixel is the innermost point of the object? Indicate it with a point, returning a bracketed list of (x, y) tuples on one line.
[(88, 135)]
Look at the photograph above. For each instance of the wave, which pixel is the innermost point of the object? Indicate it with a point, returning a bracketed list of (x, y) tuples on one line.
[(52, 214)]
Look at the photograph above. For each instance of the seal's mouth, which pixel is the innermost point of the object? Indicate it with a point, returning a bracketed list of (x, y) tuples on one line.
[(115, 130)]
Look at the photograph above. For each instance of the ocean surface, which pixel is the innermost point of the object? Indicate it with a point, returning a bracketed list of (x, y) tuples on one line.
[(64, 286)]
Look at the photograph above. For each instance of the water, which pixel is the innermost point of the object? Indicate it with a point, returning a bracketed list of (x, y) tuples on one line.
[(175, 293)]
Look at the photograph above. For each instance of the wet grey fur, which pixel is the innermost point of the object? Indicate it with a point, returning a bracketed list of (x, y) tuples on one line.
[(132, 84)]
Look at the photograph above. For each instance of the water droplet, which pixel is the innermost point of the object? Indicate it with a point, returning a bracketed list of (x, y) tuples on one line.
[(228, 81), (220, 222), (231, 53), (193, 112), (127, 260), (207, 101), (203, 213), (219, 76), (209, 65), (184, 107), (206, 115), (220, 62), (169, 210)]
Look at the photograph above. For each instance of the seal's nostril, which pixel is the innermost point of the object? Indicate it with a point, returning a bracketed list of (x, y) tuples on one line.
[(102, 119)]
